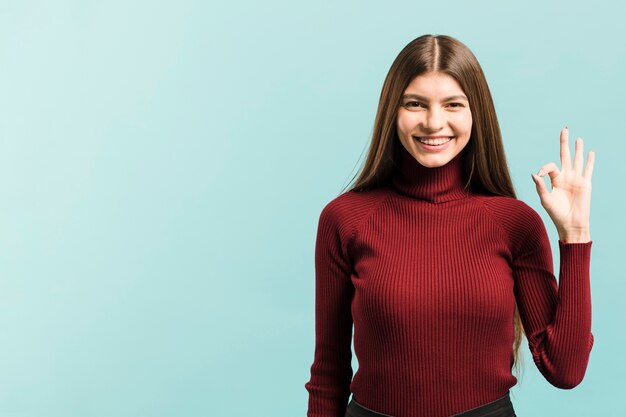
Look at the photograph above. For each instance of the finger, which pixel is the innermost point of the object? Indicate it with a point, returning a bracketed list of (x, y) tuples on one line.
[(591, 156), (578, 156), (542, 190), (551, 169), (565, 157)]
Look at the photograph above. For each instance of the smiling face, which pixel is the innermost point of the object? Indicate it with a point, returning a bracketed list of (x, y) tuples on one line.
[(432, 110)]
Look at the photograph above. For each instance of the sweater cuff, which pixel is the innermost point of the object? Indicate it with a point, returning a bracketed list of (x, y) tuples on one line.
[(574, 280), (575, 253), (580, 247)]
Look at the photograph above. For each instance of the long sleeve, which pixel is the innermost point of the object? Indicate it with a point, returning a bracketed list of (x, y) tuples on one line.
[(556, 319), (331, 371)]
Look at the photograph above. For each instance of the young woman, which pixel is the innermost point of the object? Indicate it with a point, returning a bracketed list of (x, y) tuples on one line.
[(438, 265)]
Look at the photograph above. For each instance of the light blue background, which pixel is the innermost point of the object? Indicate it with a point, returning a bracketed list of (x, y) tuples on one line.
[(163, 166)]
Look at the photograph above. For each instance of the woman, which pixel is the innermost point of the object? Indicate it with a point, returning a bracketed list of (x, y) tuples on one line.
[(437, 264)]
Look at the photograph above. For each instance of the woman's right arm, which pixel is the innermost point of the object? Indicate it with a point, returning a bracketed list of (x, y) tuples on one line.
[(331, 371)]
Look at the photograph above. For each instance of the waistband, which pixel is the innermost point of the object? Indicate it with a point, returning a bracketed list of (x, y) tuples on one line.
[(502, 407)]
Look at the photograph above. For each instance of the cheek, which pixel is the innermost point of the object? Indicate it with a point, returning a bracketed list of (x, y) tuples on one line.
[(464, 124), (405, 124), (468, 129), (468, 121)]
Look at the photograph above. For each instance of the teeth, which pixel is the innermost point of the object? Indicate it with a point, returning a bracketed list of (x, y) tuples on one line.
[(434, 141)]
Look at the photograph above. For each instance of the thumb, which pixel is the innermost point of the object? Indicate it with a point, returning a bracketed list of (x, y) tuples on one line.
[(542, 190)]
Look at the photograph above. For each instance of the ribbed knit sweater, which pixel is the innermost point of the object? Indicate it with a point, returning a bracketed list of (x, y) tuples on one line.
[(429, 274)]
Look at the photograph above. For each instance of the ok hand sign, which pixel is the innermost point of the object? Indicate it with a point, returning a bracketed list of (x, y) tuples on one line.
[(568, 204)]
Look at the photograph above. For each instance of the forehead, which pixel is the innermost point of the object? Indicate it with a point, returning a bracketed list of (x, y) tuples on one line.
[(434, 85)]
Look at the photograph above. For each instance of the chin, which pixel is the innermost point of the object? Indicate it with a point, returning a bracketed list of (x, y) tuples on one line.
[(430, 164), (434, 161)]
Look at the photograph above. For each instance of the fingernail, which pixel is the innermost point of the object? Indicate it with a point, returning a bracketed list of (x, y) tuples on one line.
[(540, 173), (566, 127)]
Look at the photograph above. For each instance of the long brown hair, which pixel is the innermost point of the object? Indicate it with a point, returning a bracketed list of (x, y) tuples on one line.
[(484, 160)]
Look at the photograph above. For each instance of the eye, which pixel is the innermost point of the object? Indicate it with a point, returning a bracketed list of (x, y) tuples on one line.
[(456, 105), (413, 104)]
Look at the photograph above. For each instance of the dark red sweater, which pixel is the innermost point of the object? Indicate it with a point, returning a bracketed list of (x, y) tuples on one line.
[(429, 274)]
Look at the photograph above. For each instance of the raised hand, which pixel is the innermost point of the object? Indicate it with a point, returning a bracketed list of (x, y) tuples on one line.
[(568, 204)]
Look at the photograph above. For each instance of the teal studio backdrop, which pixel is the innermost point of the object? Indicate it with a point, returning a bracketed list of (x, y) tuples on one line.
[(163, 166)]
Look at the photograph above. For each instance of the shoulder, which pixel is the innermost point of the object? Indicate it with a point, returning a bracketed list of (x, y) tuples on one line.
[(349, 209), (516, 217), (509, 208)]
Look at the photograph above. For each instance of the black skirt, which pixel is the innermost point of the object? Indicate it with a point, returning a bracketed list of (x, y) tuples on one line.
[(501, 407)]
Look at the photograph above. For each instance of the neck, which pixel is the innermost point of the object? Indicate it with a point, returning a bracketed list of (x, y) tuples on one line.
[(435, 185)]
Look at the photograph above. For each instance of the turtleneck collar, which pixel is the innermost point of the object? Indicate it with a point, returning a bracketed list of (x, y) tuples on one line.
[(435, 185)]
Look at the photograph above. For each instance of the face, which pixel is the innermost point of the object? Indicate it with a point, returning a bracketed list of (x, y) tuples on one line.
[(434, 119)]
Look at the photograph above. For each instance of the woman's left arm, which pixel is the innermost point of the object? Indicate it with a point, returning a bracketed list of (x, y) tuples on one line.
[(557, 320), (569, 202)]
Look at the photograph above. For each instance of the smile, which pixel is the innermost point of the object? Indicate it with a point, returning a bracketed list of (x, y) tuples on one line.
[(434, 142)]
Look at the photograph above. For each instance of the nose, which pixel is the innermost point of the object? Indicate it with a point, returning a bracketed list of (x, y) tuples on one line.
[(434, 120)]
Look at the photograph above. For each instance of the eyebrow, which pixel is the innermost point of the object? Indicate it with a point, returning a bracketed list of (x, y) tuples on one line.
[(417, 96)]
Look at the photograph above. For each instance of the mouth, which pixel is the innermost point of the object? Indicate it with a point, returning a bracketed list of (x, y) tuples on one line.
[(436, 141)]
